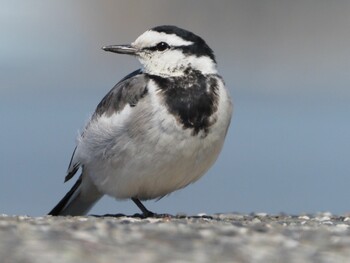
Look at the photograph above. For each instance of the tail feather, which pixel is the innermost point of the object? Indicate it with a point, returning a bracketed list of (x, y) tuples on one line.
[(79, 200)]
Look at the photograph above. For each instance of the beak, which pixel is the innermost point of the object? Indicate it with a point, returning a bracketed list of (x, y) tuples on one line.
[(121, 49)]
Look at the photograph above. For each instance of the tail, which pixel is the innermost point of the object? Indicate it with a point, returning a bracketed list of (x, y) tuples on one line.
[(79, 200)]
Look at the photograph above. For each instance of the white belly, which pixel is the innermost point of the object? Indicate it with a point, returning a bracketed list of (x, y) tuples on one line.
[(139, 154)]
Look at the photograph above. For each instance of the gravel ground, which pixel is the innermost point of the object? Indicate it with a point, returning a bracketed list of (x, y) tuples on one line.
[(217, 238)]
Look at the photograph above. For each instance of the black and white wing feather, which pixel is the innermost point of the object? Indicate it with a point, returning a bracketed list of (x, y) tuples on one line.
[(129, 91)]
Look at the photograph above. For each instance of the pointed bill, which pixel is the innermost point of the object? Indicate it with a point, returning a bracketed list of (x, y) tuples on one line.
[(121, 49)]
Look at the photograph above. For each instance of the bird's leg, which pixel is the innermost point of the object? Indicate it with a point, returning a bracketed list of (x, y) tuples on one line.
[(145, 211)]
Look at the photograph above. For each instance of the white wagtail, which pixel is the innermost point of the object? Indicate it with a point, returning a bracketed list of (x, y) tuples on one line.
[(158, 130)]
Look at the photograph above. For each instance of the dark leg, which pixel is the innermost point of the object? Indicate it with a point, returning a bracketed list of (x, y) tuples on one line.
[(145, 211)]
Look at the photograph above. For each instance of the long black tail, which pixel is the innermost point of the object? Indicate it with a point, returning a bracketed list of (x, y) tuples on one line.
[(79, 200)]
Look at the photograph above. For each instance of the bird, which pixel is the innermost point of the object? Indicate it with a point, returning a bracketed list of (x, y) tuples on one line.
[(157, 130)]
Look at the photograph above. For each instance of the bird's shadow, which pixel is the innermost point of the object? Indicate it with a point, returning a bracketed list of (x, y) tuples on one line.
[(154, 215)]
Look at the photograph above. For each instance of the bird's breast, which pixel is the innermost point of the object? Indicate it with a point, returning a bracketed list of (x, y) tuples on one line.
[(167, 141), (192, 99)]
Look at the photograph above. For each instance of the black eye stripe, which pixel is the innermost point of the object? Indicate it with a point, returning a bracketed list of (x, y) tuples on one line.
[(161, 46)]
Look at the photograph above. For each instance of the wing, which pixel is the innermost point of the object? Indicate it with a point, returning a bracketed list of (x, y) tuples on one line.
[(129, 90), (72, 168)]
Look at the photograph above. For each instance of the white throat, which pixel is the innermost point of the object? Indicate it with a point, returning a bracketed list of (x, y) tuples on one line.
[(174, 63)]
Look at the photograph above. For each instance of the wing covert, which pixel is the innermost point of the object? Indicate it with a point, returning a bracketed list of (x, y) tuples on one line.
[(129, 90)]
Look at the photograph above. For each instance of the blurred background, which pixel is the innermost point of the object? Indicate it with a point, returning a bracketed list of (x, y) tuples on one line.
[(286, 63)]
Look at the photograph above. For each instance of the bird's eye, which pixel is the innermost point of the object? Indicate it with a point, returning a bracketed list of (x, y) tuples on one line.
[(161, 46)]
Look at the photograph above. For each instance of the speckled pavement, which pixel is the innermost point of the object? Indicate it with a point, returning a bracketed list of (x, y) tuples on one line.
[(217, 238)]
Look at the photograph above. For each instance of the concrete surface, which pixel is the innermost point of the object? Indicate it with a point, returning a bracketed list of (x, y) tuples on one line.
[(217, 238)]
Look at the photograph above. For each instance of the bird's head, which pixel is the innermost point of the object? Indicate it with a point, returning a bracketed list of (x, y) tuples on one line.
[(169, 51)]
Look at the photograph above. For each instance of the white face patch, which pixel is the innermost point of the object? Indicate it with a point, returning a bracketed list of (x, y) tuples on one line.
[(151, 38), (170, 62)]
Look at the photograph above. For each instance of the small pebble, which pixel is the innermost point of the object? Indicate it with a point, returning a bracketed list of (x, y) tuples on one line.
[(233, 237)]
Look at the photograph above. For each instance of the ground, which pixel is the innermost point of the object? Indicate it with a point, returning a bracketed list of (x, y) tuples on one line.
[(216, 238)]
